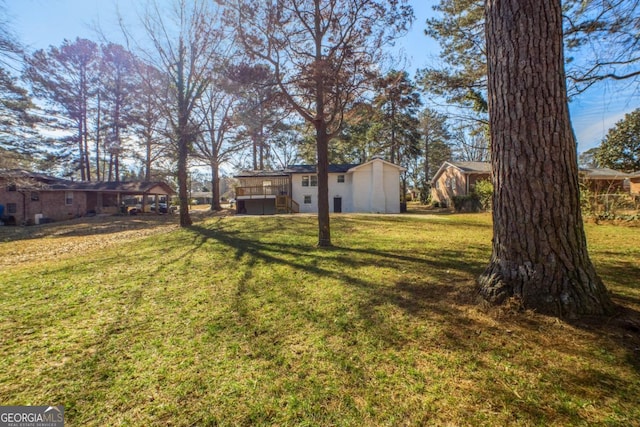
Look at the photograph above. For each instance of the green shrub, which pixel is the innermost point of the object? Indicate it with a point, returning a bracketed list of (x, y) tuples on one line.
[(484, 190), (467, 203), (425, 193)]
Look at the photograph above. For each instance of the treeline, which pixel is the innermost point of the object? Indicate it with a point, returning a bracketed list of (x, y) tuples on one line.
[(193, 86), (106, 112)]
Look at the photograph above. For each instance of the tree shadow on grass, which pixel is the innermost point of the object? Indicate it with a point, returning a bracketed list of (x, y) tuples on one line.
[(450, 279), (447, 289)]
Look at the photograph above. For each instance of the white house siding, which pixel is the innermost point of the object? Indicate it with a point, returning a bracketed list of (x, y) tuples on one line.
[(298, 192), (392, 188), (372, 187), (376, 187), (341, 190)]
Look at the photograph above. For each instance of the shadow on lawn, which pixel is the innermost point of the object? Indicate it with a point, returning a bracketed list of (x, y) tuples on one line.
[(440, 299), (450, 272), (446, 291)]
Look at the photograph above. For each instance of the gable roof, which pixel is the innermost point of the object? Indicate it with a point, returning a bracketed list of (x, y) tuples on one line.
[(467, 168), (472, 167), (375, 159)]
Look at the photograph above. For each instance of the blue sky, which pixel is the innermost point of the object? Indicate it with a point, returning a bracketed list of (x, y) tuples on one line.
[(41, 23)]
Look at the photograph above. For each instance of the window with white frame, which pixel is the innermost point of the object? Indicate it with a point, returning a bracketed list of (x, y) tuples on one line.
[(340, 178), (68, 198), (310, 180)]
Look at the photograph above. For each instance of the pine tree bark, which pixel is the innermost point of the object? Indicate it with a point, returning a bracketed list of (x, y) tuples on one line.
[(539, 252)]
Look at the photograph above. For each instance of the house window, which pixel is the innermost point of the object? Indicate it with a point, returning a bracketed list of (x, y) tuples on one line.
[(340, 178), (307, 200), (12, 208), (68, 198), (451, 183), (11, 187), (35, 196), (310, 181)]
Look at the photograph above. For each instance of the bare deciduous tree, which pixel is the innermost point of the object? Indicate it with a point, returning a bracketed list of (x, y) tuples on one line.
[(322, 54), (183, 45)]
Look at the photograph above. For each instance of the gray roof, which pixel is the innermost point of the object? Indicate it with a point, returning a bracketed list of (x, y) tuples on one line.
[(473, 167), (25, 174)]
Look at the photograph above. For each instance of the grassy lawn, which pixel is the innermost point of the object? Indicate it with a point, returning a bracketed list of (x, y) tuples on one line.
[(242, 321)]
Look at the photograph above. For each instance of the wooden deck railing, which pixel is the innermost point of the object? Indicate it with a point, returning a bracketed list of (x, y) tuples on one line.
[(274, 190)]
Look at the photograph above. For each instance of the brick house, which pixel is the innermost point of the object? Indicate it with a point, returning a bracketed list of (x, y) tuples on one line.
[(31, 198), (457, 179)]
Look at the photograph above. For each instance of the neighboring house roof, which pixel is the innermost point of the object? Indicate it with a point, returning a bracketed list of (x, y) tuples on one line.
[(467, 168), (473, 167), (133, 187), (58, 184), (24, 174), (603, 173)]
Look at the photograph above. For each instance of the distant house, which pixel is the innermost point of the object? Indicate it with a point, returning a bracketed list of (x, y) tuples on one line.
[(634, 183), (603, 180), (457, 179), (29, 197), (201, 197), (373, 186)]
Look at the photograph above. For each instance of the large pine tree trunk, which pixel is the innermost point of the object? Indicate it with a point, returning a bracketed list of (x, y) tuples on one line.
[(539, 247)]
